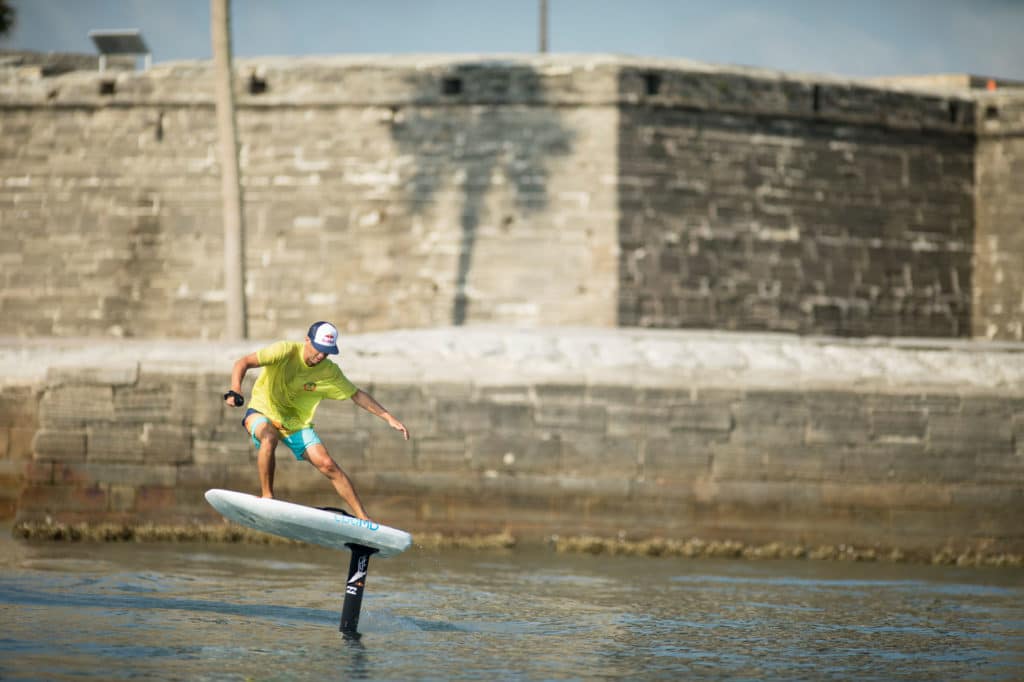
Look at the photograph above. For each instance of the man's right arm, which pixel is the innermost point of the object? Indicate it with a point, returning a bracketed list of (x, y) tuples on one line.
[(241, 366)]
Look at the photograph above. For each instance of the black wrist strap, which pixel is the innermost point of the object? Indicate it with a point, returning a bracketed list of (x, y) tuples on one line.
[(239, 400)]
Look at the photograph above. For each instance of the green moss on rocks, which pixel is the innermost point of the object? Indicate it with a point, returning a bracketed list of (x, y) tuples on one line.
[(731, 549), (587, 544)]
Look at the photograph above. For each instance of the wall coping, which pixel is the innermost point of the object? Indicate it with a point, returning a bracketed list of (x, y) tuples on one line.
[(502, 356), (554, 80)]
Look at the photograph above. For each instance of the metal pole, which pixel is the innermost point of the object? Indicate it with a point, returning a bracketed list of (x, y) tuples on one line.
[(543, 26), (357, 570), (231, 189)]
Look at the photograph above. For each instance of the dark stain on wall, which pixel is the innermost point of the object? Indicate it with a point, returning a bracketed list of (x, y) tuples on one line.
[(790, 222)]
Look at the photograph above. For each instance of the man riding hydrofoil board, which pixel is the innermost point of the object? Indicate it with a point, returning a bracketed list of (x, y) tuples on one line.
[(294, 380)]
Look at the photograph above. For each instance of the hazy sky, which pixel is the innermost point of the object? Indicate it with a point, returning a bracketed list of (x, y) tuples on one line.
[(846, 37)]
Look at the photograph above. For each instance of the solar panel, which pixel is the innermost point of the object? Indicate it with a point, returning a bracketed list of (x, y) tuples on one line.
[(127, 41)]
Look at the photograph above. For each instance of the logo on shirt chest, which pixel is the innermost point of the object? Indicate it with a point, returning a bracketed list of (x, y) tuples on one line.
[(311, 386)]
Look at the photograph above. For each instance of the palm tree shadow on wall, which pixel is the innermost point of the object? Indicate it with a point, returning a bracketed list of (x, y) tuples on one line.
[(469, 124)]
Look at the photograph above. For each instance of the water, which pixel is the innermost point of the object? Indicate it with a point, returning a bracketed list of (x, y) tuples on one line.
[(200, 612)]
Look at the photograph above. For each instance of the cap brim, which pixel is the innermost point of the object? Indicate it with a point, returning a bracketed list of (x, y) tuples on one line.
[(328, 350)]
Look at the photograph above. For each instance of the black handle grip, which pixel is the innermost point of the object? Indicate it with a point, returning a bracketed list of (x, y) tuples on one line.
[(237, 398)]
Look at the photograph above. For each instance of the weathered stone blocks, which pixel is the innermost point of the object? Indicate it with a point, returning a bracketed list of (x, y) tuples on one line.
[(682, 457), (75, 405), (59, 444), (389, 452), (898, 423), (154, 443), (775, 462), (770, 418), (688, 254), (442, 454), (19, 440), (597, 455), (664, 194), (562, 417), (837, 419), (141, 474), (978, 431)]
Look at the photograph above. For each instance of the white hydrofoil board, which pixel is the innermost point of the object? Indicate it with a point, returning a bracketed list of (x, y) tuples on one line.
[(298, 522)]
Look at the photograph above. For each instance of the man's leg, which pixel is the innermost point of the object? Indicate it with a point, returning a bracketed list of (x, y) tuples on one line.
[(318, 457), (266, 459)]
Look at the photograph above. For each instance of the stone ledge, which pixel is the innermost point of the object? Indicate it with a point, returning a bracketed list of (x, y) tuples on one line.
[(493, 358)]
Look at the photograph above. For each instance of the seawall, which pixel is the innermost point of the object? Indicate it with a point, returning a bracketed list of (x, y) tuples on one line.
[(914, 444)]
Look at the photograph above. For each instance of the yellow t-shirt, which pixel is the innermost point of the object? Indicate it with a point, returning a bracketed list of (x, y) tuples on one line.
[(288, 391)]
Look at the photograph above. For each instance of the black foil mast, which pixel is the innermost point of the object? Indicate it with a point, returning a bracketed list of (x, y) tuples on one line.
[(357, 572)]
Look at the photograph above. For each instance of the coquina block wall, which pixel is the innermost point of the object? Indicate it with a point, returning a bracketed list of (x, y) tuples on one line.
[(19, 422), (999, 237), (723, 437), (380, 193), (388, 192)]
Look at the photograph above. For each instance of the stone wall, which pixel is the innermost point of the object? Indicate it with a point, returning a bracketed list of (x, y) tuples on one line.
[(999, 256), (381, 194), (737, 438), (19, 421), (794, 206), (395, 192)]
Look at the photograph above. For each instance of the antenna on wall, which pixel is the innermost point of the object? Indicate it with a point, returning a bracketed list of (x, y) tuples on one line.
[(120, 42)]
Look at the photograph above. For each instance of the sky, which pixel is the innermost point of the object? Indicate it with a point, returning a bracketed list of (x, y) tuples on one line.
[(840, 37)]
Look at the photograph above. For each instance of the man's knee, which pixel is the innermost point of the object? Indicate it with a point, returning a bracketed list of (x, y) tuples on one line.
[(327, 466), (323, 462), (268, 434)]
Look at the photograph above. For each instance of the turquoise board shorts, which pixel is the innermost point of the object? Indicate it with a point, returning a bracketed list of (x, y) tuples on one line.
[(297, 442)]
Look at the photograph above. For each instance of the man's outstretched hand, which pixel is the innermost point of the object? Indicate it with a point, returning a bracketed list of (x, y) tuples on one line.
[(399, 426)]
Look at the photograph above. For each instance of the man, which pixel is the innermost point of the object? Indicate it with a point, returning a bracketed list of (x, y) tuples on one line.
[(294, 380)]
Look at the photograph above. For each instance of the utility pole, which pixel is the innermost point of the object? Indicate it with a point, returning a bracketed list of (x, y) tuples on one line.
[(543, 26), (231, 187)]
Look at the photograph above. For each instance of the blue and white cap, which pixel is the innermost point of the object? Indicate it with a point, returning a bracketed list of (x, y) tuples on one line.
[(324, 337)]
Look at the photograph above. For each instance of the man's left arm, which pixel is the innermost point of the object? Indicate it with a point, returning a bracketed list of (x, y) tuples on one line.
[(366, 401)]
